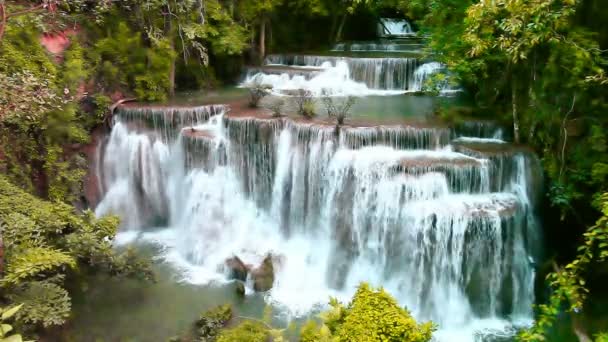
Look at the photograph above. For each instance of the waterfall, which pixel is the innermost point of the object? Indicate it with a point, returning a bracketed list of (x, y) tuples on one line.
[(394, 27), (400, 46), (350, 76), (447, 227), (347, 76)]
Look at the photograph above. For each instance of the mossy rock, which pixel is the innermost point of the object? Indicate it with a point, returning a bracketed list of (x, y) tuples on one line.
[(210, 322)]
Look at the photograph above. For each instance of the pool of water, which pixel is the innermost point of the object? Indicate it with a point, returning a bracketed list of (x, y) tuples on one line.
[(109, 309), (407, 108)]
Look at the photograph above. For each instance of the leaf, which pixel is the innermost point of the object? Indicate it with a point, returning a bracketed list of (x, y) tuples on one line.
[(10, 312), (5, 329), (13, 338)]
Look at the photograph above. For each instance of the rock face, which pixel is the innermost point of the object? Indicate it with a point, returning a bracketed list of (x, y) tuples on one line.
[(236, 269), (263, 275)]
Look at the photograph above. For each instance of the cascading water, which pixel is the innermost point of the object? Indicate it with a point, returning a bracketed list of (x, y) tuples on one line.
[(345, 76), (448, 230), (394, 27)]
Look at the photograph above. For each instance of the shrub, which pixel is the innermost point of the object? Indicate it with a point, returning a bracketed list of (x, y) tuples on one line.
[(257, 91), (372, 315), (337, 108), (46, 241), (248, 331), (305, 103)]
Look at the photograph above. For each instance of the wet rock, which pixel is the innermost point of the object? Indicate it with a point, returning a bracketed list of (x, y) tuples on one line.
[(240, 289), (236, 268), (263, 275)]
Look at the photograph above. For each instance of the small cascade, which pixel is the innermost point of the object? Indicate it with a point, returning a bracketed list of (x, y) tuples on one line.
[(169, 119), (374, 73), (394, 28), (345, 76), (401, 45), (444, 224)]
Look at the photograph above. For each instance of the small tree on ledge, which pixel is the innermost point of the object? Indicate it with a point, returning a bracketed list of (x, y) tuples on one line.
[(337, 108), (257, 91)]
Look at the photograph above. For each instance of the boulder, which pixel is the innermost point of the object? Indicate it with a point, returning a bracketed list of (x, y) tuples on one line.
[(236, 268), (263, 275), (240, 289)]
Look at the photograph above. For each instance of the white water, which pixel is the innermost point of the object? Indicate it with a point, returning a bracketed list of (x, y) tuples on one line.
[(422, 223), (394, 27), (379, 47), (344, 76)]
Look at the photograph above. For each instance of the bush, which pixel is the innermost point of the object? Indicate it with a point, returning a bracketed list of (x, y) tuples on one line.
[(337, 108), (44, 242), (210, 322), (372, 315), (257, 91), (305, 103), (248, 331)]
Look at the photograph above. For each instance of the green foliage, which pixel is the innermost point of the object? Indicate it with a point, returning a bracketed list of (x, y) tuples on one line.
[(372, 315), (75, 68), (124, 60), (39, 114), (31, 261), (247, 331), (209, 324), (44, 302), (5, 328), (568, 284), (44, 243)]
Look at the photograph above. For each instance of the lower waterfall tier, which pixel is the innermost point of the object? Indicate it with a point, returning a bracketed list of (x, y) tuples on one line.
[(447, 228)]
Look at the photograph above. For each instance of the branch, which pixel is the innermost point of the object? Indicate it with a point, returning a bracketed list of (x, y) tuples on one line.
[(563, 165), (5, 16), (25, 11)]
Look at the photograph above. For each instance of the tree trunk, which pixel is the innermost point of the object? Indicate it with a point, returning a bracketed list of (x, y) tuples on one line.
[(334, 26), (169, 32), (515, 111), (262, 40), (2, 19), (172, 74), (340, 28)]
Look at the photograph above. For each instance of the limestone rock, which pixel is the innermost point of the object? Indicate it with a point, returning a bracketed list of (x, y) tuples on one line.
[(263, 275), (236, 268)]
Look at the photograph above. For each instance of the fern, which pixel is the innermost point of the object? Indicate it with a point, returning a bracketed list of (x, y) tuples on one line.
[(36, 260), (44, 302)]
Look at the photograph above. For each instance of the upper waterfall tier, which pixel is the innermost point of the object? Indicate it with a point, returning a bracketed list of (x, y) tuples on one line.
[(391, 46), (388, 27), (375, 73)]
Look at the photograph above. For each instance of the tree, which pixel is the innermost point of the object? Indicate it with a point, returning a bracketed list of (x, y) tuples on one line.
[(191, 28), (258, 12)]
